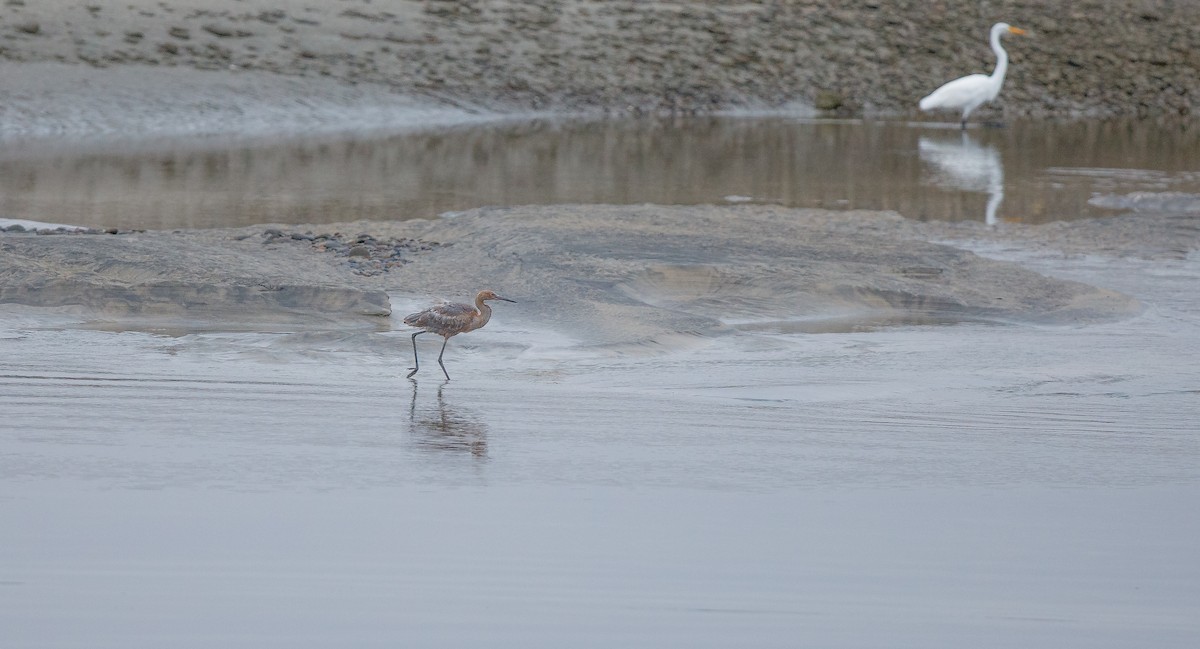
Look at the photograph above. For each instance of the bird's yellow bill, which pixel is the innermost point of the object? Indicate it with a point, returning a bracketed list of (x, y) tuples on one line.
[(1017, 30)]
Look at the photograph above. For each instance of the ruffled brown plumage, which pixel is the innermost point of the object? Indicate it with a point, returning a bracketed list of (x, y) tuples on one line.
[(449, 319)]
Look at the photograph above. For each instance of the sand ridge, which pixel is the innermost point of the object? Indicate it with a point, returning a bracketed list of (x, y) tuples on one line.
[(603, 273)]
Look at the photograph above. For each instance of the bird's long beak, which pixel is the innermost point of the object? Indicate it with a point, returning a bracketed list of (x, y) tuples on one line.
[(1017, 30), (505, 299)]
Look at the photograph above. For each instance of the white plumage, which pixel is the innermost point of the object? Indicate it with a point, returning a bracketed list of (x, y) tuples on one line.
[(972, 91)]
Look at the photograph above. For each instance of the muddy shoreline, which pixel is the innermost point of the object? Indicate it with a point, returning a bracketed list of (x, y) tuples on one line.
[(605, 274), (1095, 59)]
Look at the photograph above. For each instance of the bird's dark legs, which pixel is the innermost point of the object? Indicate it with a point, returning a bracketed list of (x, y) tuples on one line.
[(416, 363), (440, 358)]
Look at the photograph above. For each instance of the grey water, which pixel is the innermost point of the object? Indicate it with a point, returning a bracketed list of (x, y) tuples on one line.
[(911, 484), (1031, 172)]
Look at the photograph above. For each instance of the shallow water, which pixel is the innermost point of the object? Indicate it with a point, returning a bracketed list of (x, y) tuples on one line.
[(915, 485), (1032, 172), (903, 480)]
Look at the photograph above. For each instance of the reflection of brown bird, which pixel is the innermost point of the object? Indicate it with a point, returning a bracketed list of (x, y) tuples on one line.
[(447, 429), (448, 319)]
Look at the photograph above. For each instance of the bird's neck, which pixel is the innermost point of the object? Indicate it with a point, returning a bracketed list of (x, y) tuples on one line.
[(1001, 60), (484, 311)]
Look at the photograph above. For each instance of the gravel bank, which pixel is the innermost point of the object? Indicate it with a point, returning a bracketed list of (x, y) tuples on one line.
[(1099, 58)]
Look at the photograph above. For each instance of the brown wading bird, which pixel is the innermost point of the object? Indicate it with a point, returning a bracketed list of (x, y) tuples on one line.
[(448, 319)]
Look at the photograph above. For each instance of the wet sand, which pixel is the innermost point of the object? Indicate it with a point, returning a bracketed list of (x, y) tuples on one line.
[(602, 274)]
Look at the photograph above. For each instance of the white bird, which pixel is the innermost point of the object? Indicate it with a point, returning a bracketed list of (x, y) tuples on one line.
[(973, 90)]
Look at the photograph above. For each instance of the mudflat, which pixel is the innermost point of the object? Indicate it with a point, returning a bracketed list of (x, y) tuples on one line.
[(607, 273), (1119, 57)]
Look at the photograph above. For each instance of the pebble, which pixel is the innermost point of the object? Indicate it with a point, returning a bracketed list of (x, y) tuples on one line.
[(223, 31), (16, 228), (365, 254)]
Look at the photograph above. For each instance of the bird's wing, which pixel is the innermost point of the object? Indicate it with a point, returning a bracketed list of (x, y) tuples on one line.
[(443, 318), (957, 93), (453, 309)]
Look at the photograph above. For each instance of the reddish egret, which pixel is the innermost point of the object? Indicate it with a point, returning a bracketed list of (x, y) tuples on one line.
[(448, 319)]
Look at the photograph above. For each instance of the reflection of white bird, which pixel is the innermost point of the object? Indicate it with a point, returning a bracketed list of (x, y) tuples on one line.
[(966, 166), (971, 91)]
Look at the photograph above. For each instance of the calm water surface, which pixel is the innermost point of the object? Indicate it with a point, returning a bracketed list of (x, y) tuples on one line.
[(1029, 171)]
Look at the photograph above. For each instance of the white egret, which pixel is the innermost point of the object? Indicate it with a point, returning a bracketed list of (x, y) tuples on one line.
[(973, 90)]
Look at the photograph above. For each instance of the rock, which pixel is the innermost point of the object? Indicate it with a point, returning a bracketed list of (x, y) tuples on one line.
[(218, 30), (826, 100), (225, 31)]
